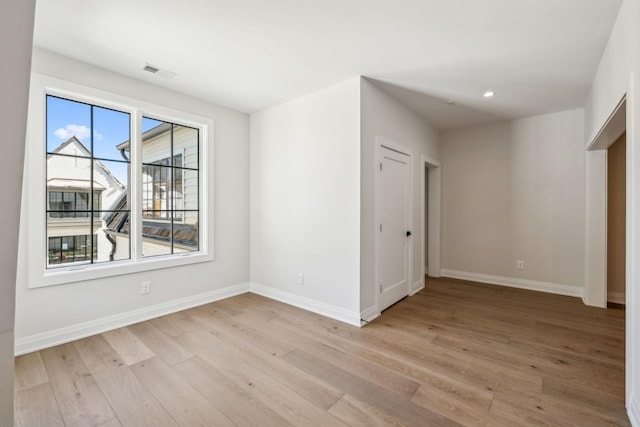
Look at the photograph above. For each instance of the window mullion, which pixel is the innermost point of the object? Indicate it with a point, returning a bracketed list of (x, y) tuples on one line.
[(135, 188)]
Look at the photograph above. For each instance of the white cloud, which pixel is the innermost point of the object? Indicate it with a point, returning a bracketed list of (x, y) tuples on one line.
[(79, 131), (98, 136)]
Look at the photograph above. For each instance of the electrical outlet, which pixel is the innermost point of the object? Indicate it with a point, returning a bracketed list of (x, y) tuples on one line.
[(145, 287), (520, 265), (300, 279)]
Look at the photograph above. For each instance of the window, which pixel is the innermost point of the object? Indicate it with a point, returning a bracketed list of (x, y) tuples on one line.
[(157, 182), (123, 188), (68, 249), (65, 204)]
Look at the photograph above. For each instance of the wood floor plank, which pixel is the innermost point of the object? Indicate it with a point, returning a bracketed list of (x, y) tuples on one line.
[(128, 346), (356, 413), (80, 399), (456, 365), (132, 402), (29, 371), (472, 410), (594, 345), (238, 405), (230, 326), (420, 373), (600, 402), (37, 406), (559, 410), (312, 388), (181, 400), (286, 398), (388, 402), (356, 365), (459, 389), (162, 345), (171, 323), (111, 423), (544, 365)]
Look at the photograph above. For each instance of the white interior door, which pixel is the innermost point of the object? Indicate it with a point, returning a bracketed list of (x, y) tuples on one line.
[(394, 234)]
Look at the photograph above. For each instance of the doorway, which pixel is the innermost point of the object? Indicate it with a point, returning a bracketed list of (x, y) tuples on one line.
[(394, 234), (425, 223), (597, 275), (431, 216), (616, 220)]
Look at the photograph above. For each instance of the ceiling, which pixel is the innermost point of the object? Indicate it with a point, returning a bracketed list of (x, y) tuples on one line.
[(438, 57)]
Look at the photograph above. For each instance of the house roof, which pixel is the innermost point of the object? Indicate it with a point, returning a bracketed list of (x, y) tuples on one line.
[(85, 153), (149, 134), (117, 222), (80, 184)]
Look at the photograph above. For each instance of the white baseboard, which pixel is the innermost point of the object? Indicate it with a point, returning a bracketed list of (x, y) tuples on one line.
[(337, 313), (616, 297), (512, 282), (370, 313), (418, 285), (82, 330), (633, 411)]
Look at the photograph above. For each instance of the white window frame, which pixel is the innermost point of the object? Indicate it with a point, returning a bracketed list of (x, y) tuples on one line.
[(35, 191)]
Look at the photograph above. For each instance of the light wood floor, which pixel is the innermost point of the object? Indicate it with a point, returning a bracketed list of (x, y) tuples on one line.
[(456, 353)]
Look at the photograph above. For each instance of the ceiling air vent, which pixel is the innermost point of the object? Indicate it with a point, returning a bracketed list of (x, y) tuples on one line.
[(158, 71), (151, 69)]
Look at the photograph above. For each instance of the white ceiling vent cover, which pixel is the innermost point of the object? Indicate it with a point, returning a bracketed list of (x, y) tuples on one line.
[(158, 71)]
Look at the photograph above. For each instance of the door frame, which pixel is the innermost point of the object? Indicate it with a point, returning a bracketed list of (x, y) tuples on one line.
[(433, 214), (595, 293), (596, 251), (384, 143)]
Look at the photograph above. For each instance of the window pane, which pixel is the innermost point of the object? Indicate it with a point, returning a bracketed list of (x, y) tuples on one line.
[(110, 134), (156, 188), (190, 189), (185, 142), (156, 143), (113, 177), (113, 240), (149, 123), (185, 231), (68, 186), (156, 233), (67, 122), (69, 241), (68, 173)]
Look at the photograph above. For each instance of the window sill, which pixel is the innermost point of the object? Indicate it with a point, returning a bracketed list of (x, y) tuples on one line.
[(80, 273)]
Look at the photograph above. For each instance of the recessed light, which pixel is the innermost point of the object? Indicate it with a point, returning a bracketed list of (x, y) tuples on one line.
[(489, 94)]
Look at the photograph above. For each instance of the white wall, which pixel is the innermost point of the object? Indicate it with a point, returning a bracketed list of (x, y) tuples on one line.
[(515, 191), (305, 201), (16, 25), (619, 74), (63, 312), (383, 116)]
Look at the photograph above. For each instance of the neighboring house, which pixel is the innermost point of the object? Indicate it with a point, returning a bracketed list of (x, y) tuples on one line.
[(70, 229), (168, 191)]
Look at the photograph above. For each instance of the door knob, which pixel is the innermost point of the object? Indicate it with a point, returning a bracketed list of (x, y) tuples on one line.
[(408, 233)]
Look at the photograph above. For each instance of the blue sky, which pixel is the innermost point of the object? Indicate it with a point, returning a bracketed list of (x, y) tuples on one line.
[(69, 118)]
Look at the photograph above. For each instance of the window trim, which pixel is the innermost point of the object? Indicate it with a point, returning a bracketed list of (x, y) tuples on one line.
[(34, 201)]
